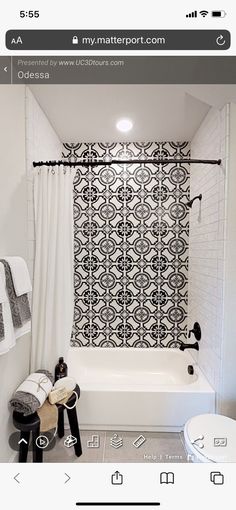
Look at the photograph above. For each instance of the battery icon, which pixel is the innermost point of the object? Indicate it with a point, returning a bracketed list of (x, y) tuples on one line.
[(218, 14)]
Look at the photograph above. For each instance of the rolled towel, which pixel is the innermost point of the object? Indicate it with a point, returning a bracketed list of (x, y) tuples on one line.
[(32, 393), (20, 275), (20, 308)]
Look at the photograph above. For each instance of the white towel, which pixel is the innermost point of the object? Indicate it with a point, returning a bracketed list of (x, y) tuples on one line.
[(38, 385), (20, 275), (9, 340)]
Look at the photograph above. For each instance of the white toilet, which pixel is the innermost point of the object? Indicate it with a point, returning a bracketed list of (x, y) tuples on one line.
[(210, 438)]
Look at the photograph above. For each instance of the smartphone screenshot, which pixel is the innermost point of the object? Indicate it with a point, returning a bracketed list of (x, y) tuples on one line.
[(117, 255)]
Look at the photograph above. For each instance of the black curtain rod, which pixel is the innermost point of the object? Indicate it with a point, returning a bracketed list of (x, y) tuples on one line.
[(127, 162)]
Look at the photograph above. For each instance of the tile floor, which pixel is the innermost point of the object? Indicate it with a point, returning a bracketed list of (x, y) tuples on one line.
[(158, 447)]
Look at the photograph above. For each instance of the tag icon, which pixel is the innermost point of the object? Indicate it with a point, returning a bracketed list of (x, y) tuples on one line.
[(117, 478)]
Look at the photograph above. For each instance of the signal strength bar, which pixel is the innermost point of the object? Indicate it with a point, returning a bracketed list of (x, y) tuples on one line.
[(192, 14)]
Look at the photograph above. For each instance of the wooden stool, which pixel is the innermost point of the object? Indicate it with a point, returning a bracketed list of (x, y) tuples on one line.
[(31, 424)]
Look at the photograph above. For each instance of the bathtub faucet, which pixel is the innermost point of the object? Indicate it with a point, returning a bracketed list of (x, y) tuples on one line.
[(189, 346)]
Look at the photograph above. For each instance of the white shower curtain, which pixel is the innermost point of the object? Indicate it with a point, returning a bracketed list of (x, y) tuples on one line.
[(53, 288)]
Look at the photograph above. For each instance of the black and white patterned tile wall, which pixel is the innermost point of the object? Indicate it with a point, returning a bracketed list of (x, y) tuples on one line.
[(131, 228)]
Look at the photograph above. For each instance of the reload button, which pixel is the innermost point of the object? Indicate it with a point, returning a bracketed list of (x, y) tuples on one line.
[(220, 40)]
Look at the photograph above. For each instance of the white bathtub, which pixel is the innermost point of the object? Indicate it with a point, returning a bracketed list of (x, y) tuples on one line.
[(138, 389)]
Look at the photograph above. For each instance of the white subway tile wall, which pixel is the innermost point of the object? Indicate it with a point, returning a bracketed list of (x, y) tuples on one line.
[(207, 240)]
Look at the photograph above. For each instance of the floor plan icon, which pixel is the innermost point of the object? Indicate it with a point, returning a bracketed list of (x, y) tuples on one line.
[(94, 442)]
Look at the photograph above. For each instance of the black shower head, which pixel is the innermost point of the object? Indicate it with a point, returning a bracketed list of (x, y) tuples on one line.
[(190, 202)]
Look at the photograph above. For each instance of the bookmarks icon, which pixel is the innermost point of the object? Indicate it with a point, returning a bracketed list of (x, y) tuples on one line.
[(167, 477)]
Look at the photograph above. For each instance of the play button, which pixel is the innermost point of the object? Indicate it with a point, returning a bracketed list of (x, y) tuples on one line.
[(42, 442)]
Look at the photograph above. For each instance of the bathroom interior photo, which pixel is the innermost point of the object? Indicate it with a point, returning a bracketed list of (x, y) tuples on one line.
[(117, 273)]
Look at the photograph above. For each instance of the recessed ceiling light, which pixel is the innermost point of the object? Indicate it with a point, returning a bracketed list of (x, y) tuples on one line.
[(124, 125)]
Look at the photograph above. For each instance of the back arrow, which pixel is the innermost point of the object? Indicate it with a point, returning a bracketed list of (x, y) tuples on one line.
[(5, 69), (68, 478), (15, 478)]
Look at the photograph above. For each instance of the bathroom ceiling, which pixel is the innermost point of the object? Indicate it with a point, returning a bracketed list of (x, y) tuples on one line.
[(158, 112)]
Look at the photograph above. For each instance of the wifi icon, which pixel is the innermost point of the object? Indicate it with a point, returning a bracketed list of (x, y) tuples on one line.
[(204, 13)]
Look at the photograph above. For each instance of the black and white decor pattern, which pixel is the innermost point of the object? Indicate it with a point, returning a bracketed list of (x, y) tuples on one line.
[(131, 246)]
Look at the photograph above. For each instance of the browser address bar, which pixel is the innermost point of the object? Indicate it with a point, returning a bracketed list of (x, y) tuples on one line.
[(117, 40)]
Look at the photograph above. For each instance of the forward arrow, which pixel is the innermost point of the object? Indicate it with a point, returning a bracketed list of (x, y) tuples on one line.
[(68, 478)]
